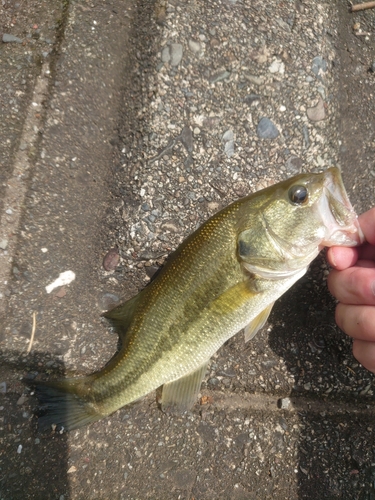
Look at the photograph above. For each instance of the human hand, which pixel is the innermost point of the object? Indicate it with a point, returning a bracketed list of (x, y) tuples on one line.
[(352, 282)]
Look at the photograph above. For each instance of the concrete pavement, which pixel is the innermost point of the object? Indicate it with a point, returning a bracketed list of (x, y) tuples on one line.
[(125, 125)]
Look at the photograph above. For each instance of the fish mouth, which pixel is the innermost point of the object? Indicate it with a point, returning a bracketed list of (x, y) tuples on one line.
[(339, 216)]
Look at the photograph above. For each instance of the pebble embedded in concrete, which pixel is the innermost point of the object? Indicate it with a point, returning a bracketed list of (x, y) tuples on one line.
[(7, 38), (266, 129)]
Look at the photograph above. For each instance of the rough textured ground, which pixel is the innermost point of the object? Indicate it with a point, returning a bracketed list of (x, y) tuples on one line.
[(145, 122)]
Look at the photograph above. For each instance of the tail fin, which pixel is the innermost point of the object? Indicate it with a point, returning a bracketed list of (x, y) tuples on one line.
[(62, 407)]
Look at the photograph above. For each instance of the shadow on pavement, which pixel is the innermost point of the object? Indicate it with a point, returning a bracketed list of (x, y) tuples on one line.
[(336, 446), (32, 465)]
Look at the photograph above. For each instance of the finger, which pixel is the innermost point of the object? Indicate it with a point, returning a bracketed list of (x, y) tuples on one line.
[(369, 264), (364, 352), (355, 285), (356, 321), (366, 251), (342, 257), (367, 223)]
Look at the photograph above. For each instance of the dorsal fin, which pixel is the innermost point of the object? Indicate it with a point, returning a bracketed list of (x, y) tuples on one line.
[(121, 316)]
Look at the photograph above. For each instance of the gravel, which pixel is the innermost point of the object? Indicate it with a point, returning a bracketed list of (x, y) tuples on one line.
[(266, 129), (11, 38), (172, 131)]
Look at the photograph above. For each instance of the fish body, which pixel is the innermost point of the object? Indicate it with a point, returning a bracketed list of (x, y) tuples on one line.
[(222, 278)]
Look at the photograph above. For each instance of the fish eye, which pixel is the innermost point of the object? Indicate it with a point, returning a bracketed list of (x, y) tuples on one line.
[(298, 195)]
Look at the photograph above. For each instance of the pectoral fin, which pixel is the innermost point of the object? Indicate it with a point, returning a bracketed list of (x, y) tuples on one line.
[(181, 394), (257, 323)]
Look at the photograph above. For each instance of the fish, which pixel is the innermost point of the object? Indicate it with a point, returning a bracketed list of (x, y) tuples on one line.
[(223, 278)]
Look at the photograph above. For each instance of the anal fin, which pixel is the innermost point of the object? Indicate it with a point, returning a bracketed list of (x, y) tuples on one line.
[(257, 323), (181, 394)]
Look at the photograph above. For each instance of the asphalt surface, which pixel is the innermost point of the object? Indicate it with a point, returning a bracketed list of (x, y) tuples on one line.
[(123, 126)]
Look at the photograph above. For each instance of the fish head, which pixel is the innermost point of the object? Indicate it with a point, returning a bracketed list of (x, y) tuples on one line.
[(290, 222)]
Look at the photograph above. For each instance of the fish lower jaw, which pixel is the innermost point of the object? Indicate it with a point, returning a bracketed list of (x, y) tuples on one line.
[(348, 237)]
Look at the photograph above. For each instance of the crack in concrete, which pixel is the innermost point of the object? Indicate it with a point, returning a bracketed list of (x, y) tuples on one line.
[(17, 184), (296, 404)]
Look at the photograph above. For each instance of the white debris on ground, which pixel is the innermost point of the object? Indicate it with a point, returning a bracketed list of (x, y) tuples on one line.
[(64, 278)]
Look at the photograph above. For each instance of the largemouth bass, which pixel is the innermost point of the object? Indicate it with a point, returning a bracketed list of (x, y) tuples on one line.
[(224, 277)]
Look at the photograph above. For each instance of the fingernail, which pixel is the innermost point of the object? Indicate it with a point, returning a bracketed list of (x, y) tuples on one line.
[(333, 257)]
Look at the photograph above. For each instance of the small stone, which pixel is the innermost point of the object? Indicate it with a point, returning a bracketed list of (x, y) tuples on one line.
[(111, 259), (196, 131), (11, 39), (3, 387), (219, 76), (187, 139), (277, 66), (267, 129), (241, 188), (9, 211), (372, 67), (194, 46), (151, 270), (249, 99), (228, 135), (19, 449), (228, 139), (21, 400), (109, 301), (256, 80), (3, 244), (268, 364), (365, 390), (317, 113), (284, 403), (318, 65), (61, 292), (306, 137), (229, 148), (171, 226), (176, 53), (160, 13), (293, 165), (165, 54)]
